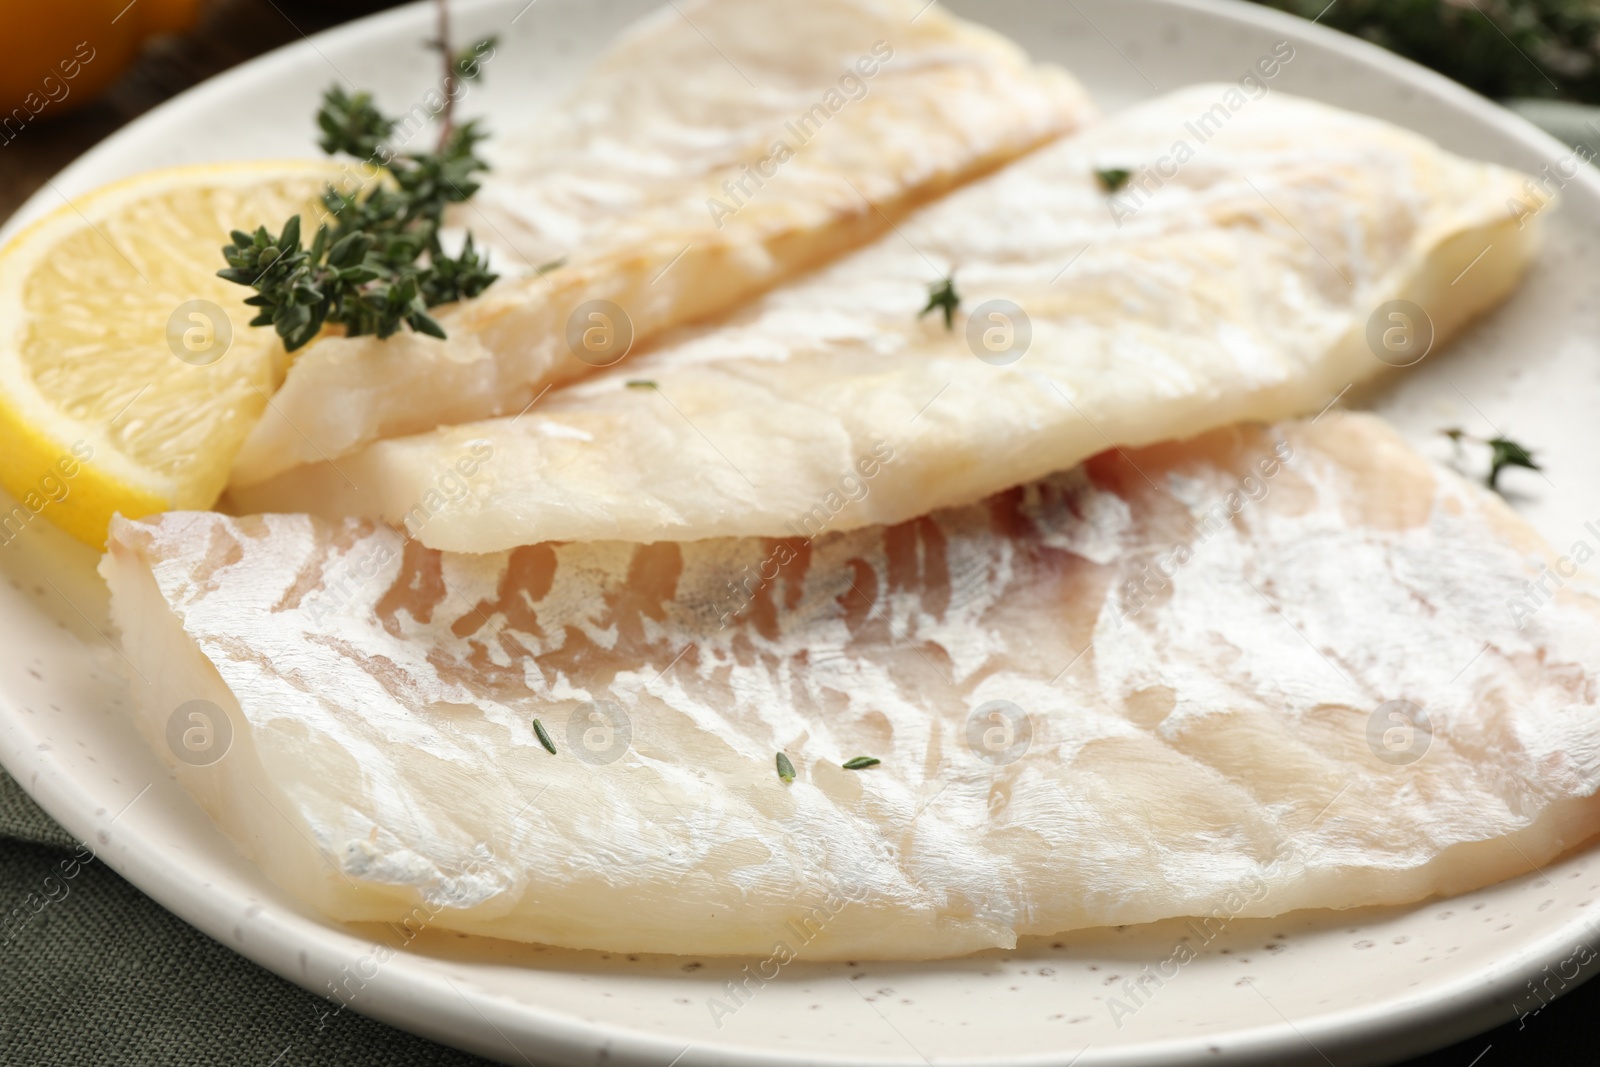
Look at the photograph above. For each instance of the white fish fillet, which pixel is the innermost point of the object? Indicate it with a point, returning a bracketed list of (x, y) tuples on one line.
[(1215, 741), (878, 104), (1241, 287)]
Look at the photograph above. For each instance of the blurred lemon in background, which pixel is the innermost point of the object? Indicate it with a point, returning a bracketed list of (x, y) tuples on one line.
[(58, 54)]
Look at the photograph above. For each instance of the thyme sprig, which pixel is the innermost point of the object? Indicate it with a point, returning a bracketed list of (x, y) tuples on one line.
[(942, 295), (378, 264)]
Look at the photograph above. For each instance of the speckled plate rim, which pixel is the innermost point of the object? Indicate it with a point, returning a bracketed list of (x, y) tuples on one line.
[(414, 993)]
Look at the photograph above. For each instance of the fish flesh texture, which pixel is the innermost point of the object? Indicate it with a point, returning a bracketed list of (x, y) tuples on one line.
[(715, 148), (1266, 669), (1299, 249)]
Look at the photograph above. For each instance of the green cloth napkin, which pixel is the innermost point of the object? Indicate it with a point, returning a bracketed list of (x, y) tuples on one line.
[(94, 972)]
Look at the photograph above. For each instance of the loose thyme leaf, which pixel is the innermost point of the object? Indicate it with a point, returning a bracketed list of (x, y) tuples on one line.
[(861, 763), (942, 294), (544, 738), (642, 383), (1113, 178), (545, 268), (785, 768), (1503, 453)]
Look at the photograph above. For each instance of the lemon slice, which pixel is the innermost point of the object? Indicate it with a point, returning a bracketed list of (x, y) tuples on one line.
[(128, 373)]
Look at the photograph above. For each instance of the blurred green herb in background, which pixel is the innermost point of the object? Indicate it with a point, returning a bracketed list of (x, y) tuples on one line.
[(1500, 48)]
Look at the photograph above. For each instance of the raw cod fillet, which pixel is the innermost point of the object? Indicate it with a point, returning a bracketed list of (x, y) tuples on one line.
[(1181, 731), (1240, 284), (660, 183)]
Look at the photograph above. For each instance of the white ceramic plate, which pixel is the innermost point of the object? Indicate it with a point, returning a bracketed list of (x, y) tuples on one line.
[(1361, 987)]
